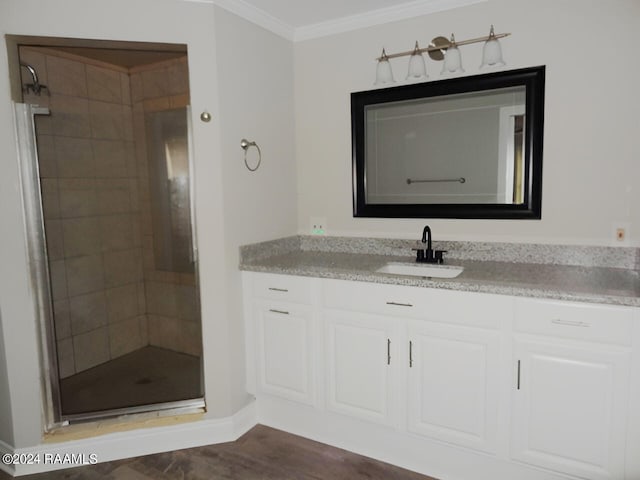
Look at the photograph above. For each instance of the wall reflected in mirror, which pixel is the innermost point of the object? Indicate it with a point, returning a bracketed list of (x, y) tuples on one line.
[(452, 149)]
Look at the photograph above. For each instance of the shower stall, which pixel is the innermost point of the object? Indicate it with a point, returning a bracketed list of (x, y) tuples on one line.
[(103, 133)]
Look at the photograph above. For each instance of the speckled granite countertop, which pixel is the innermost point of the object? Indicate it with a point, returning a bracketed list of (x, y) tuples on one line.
[(484, 268)]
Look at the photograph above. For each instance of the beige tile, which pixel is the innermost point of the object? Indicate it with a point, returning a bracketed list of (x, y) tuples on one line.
[(116, 232), (81, 236), (135, 81), (191, 338), (122, 267), (77, 197), (85, 274), (70, 116), (110, 158), (122, 303), (134, 195), (87, 312), (74, 157), (161, 298), (125, 88), (58, 275), (124, 337), (130, 156), (66, 363), (53, 233), (66, 77), (91, 349), (187, 303), (142, 298), (178, 73), (104, 84), (107, 120), (50, 198), (113, 196), (44, 124), (127, 123), (164, 332), (136, 230), (155, 83), (47, 156), (144, 329), (62, 319), (156, 104), (179, 101)]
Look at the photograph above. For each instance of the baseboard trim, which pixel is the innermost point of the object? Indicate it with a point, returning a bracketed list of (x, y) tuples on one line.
[(135, 443)]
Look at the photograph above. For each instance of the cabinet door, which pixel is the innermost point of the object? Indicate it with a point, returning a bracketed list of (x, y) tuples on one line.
[(285, 350), (360, 360), (453, 384), (570, 407)]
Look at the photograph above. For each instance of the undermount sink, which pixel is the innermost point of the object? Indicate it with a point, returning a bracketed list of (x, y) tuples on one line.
[(414, 270)]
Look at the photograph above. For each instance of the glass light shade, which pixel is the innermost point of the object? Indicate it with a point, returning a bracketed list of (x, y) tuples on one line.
[(384, 74), (492, 52), (417, 67), (452, 59)]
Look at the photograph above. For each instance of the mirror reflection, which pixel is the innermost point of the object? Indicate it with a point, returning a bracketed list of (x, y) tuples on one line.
[(464, 148)]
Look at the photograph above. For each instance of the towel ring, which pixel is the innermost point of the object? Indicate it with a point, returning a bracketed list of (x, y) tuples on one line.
[(245, 144)]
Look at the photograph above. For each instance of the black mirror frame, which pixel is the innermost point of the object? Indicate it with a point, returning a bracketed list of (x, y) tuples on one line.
[(532, 78)]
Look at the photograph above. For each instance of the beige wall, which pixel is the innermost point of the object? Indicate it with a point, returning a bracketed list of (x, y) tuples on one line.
[(89, 183), (591, 155)]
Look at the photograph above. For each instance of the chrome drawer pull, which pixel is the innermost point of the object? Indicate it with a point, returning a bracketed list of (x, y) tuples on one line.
[(274, 289), (279, 311), (570, 323), (400, 304)]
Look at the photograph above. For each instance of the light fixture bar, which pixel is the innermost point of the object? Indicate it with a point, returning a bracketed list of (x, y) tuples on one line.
[(433, 48)]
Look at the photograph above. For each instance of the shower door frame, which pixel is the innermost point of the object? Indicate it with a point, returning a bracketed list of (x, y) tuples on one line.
[(37, 257)]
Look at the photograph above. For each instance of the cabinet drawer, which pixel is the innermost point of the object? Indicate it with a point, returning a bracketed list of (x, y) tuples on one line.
[(462, 308), (594, 323), (285, 288)]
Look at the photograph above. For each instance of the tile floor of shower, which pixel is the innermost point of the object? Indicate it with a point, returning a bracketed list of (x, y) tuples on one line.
[(146, 376)]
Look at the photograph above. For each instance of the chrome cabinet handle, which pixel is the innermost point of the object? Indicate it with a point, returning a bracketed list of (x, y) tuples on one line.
[(410, 354), (396, 304), (279, 311), (274, 289), (388, 351), (570, 323), (518, 380)]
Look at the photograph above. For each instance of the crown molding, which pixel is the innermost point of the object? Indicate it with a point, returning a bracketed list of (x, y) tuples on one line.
[(254, 15), (340, 25), (378, 17)]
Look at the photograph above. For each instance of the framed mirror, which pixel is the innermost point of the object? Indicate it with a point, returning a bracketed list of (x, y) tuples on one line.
[(468, 147)]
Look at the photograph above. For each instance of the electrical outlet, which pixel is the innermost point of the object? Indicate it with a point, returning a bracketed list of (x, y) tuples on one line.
[(318, 225), (621, 232)]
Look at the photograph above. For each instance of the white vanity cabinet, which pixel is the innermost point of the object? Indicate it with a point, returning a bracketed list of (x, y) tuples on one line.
[(572, 387), (361, 366), (450, 383), (283, 331), (454, 384)]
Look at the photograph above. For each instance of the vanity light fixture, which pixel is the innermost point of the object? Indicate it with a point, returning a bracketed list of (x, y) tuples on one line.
[(439, 49), (452, 58), (417, 67)]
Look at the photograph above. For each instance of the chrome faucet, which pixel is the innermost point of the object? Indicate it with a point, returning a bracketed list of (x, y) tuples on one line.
[(428, 255)]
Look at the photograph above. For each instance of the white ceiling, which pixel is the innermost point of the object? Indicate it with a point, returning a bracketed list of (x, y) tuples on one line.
[(305, 19)]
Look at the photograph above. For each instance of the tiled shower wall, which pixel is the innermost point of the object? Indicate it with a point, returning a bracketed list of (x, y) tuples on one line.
[(172, 300), (92, 214), (109, 297)]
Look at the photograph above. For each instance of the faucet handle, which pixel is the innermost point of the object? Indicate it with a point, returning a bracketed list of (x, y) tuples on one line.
[(438, 255)]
